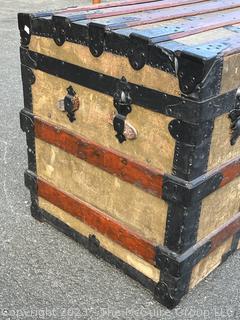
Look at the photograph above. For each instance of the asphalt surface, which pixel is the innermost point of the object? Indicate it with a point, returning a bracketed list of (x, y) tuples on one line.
[(44, 274)]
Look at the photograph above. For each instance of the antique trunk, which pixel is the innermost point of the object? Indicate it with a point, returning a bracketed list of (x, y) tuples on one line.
[(132, 118)]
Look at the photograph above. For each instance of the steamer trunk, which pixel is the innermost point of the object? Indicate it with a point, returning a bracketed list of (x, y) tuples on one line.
[(132, 117)]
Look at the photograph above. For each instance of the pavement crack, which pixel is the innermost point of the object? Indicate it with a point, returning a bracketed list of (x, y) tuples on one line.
[(5, 189)]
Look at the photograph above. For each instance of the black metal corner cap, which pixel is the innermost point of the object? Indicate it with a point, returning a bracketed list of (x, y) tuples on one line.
[(192, 70), (24, 26)]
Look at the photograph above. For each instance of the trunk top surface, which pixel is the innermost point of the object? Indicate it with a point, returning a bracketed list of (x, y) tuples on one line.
[(163, 22), (190, 39)]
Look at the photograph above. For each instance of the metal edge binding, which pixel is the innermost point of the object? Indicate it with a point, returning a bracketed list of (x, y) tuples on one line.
[(195, 73), (27, 59), (191, 134), (28, 79), (190, 162), (182, 226), (176, 275), (170, 290), (178, 107), (176, 270), (178, 264), (27, 125), (187, 193)]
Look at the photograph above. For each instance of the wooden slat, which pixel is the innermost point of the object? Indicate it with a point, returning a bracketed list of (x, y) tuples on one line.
[(119, 233), (208, 44), (146, 178), (152, 16), (219, 207), (98, 221), (209, 263), (102, 6), (125, 9), (216, 237), (226, 231), (230, 171), (60, 217), (221, 151), (76, 9), (194, 26)]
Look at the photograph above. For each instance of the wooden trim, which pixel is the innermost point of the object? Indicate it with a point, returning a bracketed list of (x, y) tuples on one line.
[(98, 221), (230, 171), (104, 5), (148, 179), (224, 232), (124, 7), (153, 15), (213, 240), (113, 162), (194, 27), (119, 233)]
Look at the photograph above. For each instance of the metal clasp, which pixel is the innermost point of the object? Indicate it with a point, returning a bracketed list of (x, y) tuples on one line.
[(122, 102), (70, 104), (129, 132)]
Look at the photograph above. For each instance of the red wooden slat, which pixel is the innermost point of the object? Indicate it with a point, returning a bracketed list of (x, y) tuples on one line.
[(97, 220), (225, 232), (148, 179), (154, 16), (215, 238), (121, 234), (230, 171), (199, 26), (130, 6), (122, 10), (103, 6)]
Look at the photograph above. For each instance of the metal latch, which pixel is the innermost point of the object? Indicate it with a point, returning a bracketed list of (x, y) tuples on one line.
[(234, 116), (122, 102), (70, 104)]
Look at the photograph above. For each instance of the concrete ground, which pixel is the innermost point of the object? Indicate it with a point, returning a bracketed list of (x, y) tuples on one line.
[(45, 275)]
